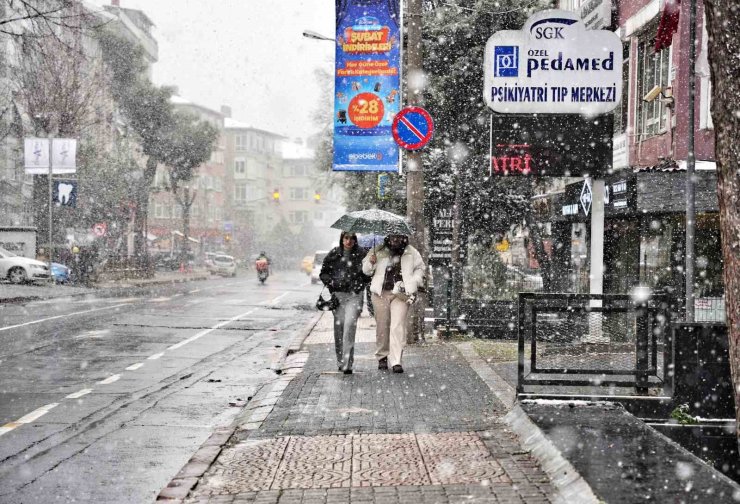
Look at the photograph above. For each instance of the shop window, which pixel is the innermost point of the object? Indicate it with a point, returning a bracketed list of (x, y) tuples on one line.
[(653, 70)]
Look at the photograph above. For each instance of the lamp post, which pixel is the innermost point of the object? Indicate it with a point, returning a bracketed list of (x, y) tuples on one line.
[(316, 36)]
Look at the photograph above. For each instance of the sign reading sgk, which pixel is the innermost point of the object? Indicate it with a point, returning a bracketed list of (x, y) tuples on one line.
[(554, 65)]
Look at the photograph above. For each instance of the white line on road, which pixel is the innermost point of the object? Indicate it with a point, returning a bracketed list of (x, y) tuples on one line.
[(63, 316), (193, 291), (79, 393), (134, 367), (110, 379), (203, 333), (160, 299), (35, 414), (155, 356), (274, 301)]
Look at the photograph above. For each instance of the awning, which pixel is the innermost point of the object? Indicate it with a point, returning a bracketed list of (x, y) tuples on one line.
[(178, 233)]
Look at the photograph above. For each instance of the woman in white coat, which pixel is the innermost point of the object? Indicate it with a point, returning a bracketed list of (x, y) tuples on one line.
[(397, 271)]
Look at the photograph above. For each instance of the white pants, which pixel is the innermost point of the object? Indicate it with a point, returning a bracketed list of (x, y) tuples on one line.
[(390, 317)]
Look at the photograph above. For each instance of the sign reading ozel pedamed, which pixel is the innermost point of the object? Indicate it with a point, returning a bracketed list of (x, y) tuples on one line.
[(366, 84), (413, 128), (554, 65)]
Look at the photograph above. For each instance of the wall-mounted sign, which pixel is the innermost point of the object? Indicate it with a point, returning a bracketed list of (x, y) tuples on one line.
[(550, 145), (366, 85), (596, 14), (553, 65)]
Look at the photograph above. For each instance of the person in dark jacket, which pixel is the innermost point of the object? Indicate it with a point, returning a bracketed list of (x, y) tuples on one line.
[(342, 273)]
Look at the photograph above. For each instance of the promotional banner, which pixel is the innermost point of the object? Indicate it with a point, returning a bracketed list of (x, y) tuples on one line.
[(366, 84)]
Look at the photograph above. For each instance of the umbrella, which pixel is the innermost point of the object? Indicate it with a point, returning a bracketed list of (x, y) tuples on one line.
[(373, 221), (369, 240)]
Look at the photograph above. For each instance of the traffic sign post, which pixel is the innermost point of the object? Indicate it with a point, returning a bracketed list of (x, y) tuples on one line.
[(412, 128)]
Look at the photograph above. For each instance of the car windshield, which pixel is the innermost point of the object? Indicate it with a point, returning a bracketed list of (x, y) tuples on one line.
[(5, 253)]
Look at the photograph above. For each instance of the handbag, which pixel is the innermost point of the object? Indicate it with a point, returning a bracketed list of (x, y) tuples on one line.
[(330, 304)]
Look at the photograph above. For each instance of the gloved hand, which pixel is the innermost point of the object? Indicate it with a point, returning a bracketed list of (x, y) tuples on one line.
[(410, 299)]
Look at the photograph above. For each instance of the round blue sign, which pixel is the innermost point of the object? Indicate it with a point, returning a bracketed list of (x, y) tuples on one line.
[(412, 128)]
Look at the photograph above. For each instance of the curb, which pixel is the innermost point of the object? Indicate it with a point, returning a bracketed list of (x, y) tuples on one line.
[(295, 345), (570, 487)]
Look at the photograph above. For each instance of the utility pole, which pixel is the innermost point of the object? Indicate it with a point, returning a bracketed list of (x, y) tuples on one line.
[(690, 173), (414, 173)]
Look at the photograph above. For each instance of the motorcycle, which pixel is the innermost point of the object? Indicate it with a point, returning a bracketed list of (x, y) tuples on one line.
[(263, 269)]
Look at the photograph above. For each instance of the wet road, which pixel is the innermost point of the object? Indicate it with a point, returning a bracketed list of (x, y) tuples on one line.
[(104, 399)]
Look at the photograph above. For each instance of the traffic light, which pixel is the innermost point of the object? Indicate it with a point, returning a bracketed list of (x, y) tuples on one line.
[(276, 195), (317, 197), (227, 237)]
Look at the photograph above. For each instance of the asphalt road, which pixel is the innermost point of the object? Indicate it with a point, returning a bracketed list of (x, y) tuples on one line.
[(104, 399)]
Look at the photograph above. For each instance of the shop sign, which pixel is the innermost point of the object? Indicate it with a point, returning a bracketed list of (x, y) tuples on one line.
[(596, 14), (554, 65), (442, 224), (619, 152), (617, 195), (366, 85)]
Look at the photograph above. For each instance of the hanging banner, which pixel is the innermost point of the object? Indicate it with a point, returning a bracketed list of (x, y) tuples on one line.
[(366, 84), (63, 156)]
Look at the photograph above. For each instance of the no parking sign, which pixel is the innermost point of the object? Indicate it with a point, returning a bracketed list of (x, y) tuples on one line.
[(413, 128)]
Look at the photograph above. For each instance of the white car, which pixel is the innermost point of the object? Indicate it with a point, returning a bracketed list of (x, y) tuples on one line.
[(224, 265), (20, 269), (318, 260)]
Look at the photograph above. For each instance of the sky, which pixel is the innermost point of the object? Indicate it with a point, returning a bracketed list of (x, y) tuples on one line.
[(248, 54)]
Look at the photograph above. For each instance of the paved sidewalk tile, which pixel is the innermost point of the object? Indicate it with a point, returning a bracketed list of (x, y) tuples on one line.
[(433, 434)]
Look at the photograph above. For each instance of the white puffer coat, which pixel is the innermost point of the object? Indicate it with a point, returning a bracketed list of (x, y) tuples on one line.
[(412, 268)]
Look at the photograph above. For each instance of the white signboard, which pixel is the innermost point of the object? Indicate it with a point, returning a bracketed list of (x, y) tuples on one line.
[(63, 156), (554, 65), (36, 155)]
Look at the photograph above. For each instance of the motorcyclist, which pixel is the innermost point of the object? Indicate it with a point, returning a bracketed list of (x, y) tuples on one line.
[(262, 265)]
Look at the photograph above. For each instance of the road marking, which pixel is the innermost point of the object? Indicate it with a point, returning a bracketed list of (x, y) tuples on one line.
[(62, 316), (34, 415), (79, 393), (272, 302), (134, 367), (37, 413), (193, 291), (110, 379), (160, 299), (203, 333), (155, 356)]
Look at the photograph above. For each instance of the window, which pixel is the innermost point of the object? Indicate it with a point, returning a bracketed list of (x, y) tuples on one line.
[(240, 168), (218, 183), (653, 70), (297, 171), (620, 113), (161, 211), (298, 217), (162, 178), (240, 192), (240, 142), (217, 157), (298, 193)]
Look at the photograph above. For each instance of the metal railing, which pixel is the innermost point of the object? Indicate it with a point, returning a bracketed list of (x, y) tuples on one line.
[(587, 340)]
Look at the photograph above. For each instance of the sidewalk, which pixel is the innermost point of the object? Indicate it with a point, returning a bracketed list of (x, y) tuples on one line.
[(11, 293), (435, 434)]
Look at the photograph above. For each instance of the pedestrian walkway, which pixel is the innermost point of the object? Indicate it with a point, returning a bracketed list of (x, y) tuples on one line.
[(434, 434)]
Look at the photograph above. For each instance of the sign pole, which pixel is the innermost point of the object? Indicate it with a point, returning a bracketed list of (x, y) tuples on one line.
[(50, 247)]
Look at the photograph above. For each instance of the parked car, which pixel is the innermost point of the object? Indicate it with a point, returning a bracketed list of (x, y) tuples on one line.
[(307, 265), (318, 260), (209, 264), (20, 269), (60, 273), (224, 265)]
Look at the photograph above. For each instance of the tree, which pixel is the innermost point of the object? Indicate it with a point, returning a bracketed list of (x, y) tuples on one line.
[(723, 24), (186, 146), (149, 114)]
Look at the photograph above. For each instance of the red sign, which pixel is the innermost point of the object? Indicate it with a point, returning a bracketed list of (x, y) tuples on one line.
[(100, 229), (511, 159)]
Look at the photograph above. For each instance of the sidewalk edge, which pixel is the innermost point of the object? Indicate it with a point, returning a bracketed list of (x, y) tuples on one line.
[(569, 485), (295, 344)]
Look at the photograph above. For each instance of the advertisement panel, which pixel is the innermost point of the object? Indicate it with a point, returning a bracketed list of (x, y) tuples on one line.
[(553, 65), (366, 84)]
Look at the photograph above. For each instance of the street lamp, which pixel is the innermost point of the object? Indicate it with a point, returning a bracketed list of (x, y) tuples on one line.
[(316, 36)]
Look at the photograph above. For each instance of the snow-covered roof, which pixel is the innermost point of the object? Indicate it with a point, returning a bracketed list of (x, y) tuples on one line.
[(230, 123), (179, 100), (293, 150)]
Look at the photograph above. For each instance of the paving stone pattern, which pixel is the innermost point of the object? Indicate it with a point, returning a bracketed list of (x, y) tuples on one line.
[(431, 435)]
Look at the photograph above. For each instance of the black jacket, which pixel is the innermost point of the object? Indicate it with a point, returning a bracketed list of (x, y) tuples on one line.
[(344, 274)]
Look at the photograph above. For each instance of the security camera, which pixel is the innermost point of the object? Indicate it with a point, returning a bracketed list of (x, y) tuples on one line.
[(652, 94)]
